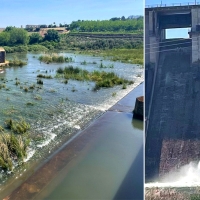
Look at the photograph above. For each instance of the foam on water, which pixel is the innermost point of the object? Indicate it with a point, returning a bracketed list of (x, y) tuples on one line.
[(186, 176), (111, 101), (30, 153), (72, 119), (49, 137)]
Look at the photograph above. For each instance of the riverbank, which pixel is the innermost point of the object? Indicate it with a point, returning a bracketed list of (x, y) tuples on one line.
[(111, 126)]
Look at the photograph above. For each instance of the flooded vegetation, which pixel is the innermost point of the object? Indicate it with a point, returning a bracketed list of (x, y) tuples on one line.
[(43, 104), (54, 58)]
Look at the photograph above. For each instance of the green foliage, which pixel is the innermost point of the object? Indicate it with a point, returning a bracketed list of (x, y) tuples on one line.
[(54, 58), (25, 48), (14, 36), (18, 127), (107, 25), (18, 36), (60, 70), (52, 35), (195, 197), (83, 43), (44, 76), (4, 38), (102, 79), (134, 56), (9, 28), (37, 48), (16, 62), (35, 38), (39, 81), (12, 147)]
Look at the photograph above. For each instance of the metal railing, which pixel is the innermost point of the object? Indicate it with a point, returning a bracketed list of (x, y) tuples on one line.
[(172, 4)]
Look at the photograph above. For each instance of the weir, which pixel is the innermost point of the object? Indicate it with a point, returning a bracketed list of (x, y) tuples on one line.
[(103, 161), (172, 82)]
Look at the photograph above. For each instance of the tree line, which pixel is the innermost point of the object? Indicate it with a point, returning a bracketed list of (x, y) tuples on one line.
[(12, 36), (112, 25)]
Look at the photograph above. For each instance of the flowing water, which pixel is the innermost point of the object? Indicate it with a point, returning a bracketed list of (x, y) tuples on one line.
[(110, 169), (56, 110), (186, 176)]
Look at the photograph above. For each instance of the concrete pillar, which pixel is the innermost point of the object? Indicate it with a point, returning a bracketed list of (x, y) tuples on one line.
[(195, 34), (162, 35), (151, 38), (147, 41), (154, 48), (2, 56)]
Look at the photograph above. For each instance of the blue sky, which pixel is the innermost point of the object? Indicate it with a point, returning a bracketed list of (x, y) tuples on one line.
[(23, 12), (172, 33), (168, 2)]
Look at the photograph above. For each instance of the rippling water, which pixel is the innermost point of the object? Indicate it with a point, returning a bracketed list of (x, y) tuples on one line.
[(61, 110)]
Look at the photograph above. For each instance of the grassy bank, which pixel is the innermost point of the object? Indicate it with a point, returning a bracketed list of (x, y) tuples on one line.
[(26, 48), (133, 56), (127, 50)]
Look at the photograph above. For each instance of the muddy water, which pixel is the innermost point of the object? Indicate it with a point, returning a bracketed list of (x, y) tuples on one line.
[(60, 112)]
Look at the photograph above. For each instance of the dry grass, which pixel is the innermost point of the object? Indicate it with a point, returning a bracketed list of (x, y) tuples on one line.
[(12, 148)]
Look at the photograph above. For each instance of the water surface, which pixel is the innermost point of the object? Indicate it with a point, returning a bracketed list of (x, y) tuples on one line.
[(61, 111)]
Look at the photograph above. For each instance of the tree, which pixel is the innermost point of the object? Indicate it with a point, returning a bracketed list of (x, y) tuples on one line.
[(18, 36), (30, 29), (123, 18), (43, 26), (52, 35), (37, 29), (4, 38), (35, 38), (9, 28), (115, 19)]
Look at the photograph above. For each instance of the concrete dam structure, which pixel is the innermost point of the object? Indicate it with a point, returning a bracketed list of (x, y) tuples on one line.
[(172, 84)]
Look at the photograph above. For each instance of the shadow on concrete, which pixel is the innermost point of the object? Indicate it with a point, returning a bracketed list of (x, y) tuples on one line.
[(132, 187)]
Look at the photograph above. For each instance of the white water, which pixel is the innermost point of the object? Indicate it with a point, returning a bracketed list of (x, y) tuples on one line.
[(186, 176), (73, 122)]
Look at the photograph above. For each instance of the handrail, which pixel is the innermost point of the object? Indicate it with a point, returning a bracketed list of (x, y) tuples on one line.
[(173, 4)]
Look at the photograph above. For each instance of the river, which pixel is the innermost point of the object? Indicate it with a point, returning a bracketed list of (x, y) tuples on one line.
[(61, 109)]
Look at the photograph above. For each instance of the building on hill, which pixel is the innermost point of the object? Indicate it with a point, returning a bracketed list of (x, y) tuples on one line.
[(32, 26), (2, 55)]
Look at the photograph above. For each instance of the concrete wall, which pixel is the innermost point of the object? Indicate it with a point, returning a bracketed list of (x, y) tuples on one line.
[(2, 56), (172, 136), (195, 47), (151, 38), (174, 114)]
